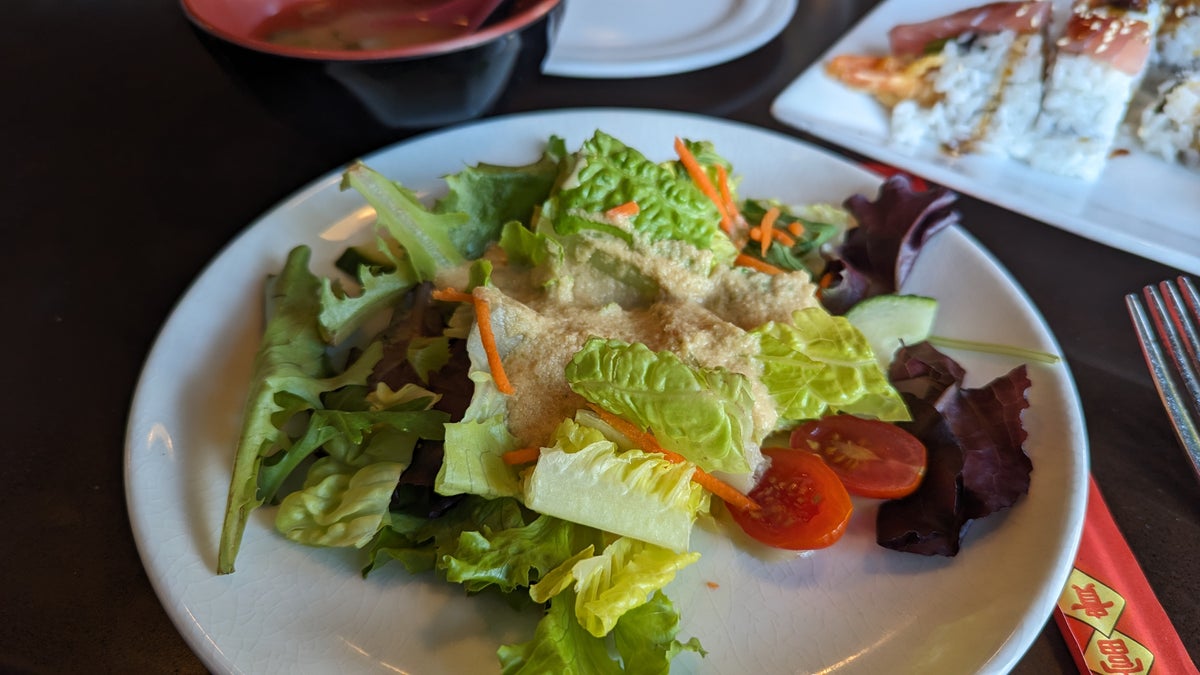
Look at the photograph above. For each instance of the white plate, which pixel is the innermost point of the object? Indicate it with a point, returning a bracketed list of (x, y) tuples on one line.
[(1140, 203), (645, 38), (856, 607)]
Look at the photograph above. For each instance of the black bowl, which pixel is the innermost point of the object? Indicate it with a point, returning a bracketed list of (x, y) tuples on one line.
[(412, 87)]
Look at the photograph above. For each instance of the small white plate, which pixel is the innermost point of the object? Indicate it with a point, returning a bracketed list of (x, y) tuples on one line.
[(855, 608), (1140, 203), (645, 38)]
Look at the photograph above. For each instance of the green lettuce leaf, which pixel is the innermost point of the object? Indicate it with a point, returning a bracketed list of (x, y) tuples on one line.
[(821, 364), (622, 577), (289, 377), (432, 242), (607, 173), (473, 462), (703, 414), (492, 195), (339, 505), (421, 542), (644, 639), (515, 557), (559, 645), (633, 493), (380, 288)]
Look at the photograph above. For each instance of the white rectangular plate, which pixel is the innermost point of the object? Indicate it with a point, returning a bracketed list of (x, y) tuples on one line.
[(1140, 203)]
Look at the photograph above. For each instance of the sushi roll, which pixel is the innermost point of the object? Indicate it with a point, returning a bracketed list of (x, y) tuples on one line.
[(967, 82), (1178, 44), (1099, 61), (1170, 127)]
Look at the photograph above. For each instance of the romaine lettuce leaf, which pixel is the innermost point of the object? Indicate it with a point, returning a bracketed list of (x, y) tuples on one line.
[(820, 364), (608, 585), (607, 173), (701, 413), (633, 493), (473, 461)]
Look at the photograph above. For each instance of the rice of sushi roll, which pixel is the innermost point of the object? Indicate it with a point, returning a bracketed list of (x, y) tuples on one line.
[(1100, 60), (1170, 127), (1179, 37), (966, 82)]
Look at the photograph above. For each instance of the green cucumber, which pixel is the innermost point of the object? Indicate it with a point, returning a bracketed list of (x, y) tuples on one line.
[(888, 321)]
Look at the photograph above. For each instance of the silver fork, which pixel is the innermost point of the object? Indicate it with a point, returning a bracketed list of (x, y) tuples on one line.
[(1167, 321)]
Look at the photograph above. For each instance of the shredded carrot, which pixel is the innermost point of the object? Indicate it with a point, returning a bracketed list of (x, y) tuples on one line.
[(796, 228), (649, 443), (756, 233), (452, 295), (628, 210), (826, 281), (483, 319), (701, 180), (768, 227), (784, 238), (731, 208), (712, 584), (521, 456), (754, 263)]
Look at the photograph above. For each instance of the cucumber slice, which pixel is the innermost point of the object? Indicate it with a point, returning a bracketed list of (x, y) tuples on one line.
[(887, 321)]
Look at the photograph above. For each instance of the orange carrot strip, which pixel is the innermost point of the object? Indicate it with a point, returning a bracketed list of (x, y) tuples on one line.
[(727, 195), (768, 227), (628, 209), (701, 180), (796, 228), (754, 263), (649, 443), (451, 295), (756, 233), (784, 238), (483, 319), (521, 456)]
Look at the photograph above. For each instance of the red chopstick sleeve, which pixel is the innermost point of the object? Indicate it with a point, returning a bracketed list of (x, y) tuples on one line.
[(1109, 615)]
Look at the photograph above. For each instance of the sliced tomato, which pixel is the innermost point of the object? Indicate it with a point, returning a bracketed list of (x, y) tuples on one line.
[(803, 503), (873, 458)]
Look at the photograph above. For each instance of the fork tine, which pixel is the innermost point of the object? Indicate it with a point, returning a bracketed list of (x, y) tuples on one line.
[(1173, 399), (1173, 324)]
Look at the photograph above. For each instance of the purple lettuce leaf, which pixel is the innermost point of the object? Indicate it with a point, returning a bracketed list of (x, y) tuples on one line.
[(973, 437), (878, 254)]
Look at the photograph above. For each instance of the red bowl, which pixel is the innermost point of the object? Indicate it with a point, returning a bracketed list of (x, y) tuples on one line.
[(415, 86), (237, 21)]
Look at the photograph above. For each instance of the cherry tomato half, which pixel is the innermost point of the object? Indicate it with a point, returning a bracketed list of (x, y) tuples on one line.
[(804, 504), (873, 458)]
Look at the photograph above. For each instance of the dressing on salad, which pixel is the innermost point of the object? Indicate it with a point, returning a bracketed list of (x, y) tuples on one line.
[(606, 360)]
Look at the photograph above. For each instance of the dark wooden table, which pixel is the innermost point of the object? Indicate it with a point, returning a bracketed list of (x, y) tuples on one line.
[(130, 158)]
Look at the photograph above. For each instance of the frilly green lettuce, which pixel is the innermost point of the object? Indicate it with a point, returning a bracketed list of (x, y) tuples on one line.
[(701, 413), (339, 505), (820, 364)]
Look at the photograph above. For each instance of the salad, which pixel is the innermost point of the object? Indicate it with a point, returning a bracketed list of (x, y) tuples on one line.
[(537, 386)]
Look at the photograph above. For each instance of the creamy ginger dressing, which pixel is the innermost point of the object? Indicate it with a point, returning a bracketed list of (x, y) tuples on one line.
[(699, 312)]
